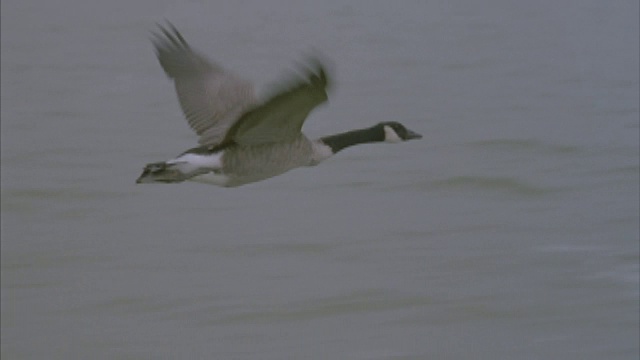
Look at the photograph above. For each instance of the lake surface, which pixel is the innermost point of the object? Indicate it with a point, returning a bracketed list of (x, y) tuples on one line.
[(510, 231)]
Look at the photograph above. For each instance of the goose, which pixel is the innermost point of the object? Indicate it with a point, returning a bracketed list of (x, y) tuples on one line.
[(243, 140)]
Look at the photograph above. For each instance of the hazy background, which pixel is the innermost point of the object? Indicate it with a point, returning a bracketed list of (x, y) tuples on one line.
[(510, 231)]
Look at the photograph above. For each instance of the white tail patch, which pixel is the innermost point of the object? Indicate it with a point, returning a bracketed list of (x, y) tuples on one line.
[(211, 178), (189, 162)]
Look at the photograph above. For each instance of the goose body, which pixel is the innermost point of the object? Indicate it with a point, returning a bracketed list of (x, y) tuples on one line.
[(242, 140)]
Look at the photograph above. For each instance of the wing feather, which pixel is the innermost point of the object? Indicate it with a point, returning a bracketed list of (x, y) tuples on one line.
[(281, 117), (211, 99)]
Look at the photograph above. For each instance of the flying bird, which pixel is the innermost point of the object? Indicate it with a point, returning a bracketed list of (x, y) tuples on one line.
[(244, 140)]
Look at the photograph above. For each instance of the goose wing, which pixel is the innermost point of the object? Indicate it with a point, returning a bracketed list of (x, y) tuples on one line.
[(212, 99), (281, 117)]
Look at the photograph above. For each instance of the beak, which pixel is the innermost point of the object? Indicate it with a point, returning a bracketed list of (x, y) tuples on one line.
[(413, 135)]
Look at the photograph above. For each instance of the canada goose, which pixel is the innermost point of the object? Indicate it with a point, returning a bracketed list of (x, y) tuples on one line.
[(243, 140)]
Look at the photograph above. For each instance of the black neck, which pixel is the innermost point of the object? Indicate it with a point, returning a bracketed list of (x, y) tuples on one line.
[(340, 141)]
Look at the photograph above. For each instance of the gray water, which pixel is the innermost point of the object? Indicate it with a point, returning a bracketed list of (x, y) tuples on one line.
[(510, 231)]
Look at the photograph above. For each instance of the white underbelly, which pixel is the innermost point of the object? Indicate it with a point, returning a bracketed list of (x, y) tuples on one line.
[(211, 178), (239, 165)]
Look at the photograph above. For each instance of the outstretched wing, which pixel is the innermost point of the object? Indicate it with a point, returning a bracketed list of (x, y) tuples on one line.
[(212, 99), (281, 117)]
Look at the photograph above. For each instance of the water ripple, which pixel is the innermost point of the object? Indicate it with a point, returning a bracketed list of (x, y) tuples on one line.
[(357, 302), (523, 145), (494, 184)]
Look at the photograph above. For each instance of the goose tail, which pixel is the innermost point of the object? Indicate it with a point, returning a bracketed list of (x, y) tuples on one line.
[(161, 172)]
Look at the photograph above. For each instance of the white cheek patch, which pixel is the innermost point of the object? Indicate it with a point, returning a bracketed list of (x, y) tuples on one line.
[(390, 135)]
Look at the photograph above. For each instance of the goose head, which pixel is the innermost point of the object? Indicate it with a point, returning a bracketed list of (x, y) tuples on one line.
[(394, 132)]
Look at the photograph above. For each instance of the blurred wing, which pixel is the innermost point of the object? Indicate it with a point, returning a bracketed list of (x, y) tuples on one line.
[(281, 117), (212, 100)]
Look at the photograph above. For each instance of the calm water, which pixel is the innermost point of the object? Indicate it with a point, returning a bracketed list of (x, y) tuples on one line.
[(509, 232)]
